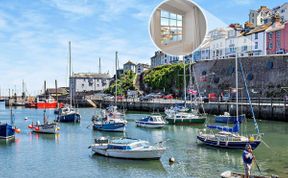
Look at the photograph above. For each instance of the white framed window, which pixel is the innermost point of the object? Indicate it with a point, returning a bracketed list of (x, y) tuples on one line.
[(171, 27)]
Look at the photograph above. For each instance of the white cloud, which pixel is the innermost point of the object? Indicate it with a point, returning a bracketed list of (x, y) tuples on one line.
[(77, 7)]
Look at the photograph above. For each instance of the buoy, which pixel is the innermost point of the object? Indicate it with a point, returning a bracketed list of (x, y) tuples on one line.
[(37, 128), (251, 139), (30, 126), (171, 160), (26, 118), (17, 130)]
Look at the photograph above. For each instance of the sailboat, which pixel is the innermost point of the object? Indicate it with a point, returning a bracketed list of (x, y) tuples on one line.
[(184, 115), (46, 128), (7, 131), (111, 119), (68, 113), (230, 137)]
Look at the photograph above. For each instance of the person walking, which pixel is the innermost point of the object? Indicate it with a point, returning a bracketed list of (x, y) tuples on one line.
[(248, 157)]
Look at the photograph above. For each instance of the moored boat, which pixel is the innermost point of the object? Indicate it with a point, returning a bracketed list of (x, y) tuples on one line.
[(108, 123), (7, 131), (153, 121), (127, 148), (46, 127), (230, 174), (227, 118), (185, 118), (68, 114)]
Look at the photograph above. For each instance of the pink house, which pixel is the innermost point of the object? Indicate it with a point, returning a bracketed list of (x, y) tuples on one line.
[(277, 37)]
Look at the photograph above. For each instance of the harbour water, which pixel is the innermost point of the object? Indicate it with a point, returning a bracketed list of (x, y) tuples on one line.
[(67, 154)]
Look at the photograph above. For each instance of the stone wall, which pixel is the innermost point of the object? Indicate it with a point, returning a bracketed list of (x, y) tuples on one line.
[(265, 75)]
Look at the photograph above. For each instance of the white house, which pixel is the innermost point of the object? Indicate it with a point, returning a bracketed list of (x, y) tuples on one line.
[(141, 68), (88, 82), (217, 43), (129, 66), (161, 58), (282, 11), (260, 16)]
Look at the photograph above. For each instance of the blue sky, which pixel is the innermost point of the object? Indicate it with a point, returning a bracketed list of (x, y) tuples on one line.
[(34, 35)]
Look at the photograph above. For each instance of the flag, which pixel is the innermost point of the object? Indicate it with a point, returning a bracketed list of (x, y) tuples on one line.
[(193, 92)]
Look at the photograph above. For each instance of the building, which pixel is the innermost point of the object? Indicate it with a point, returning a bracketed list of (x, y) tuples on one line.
[(161, 58), (277, 37), (256, 38), (282, 11), (217, 43), (141, 68), (231, 41), (261, 16), (129, 66), (88, 83), (202, 53)]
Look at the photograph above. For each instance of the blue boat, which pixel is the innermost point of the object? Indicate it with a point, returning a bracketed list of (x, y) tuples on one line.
[(108, 123), (154, 121), (68, 114), (227, 118), (7, 131), (230, 137)]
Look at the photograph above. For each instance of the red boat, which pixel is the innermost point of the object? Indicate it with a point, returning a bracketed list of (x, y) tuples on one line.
[(44, 103)]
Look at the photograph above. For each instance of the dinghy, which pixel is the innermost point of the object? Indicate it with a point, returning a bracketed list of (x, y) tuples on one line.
[(230, 174)]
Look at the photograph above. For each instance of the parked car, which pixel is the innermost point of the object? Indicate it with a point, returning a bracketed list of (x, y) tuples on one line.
[(170, 96), (108, 97), (146, 98), (212, 97), (120, 97)]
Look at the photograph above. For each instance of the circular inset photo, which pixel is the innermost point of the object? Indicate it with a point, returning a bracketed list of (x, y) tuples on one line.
[(177, 27)]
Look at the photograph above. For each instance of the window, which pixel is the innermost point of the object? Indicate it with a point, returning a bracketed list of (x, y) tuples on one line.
[(278, 33), (278, 44), (270, 35), (256, 45), (270, 45), (256, 36), (171, 27)]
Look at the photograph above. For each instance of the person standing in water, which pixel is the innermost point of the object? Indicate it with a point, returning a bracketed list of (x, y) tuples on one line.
[(247, 157)]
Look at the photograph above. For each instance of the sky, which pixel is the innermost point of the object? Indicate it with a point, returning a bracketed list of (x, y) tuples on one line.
[(34, 36)]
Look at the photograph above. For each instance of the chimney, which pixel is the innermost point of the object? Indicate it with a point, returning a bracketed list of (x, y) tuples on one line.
[(276, 20)]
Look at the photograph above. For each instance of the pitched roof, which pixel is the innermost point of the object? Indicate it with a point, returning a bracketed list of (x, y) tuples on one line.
[(91, 75)]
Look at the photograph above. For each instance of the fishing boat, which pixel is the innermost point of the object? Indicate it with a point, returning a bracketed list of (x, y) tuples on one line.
[(108, 123), (227, 118), (230, 137), (153, 121), (46, 127), (127, 148), (45, 103), (185, 118), (68, 114), (7, 131), (230, 174), (114, 110)]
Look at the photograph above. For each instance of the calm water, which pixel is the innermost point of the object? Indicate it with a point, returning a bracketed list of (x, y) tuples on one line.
[(67, 155)]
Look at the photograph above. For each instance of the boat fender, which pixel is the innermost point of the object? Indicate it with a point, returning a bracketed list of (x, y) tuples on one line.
[(205, 139), (226, 143), (251, 139), (218, 142)]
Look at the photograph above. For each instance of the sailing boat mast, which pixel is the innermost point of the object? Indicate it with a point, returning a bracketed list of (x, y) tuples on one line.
[(236, 76), (116, 77), (56, 93), (184, 75), (70, 74)]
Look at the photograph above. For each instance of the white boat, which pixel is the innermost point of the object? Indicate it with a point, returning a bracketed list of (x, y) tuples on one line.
[(185, 118), (127, 148), (154, 121), (46, 127)]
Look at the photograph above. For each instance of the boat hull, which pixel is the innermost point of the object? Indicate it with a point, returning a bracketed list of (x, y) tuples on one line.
[(229, 144), (229, 119), (71, 117), (112, 127), (130, 154), (46, 129), (185, 121), (6, 131), (47, 105), (150, 125)]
